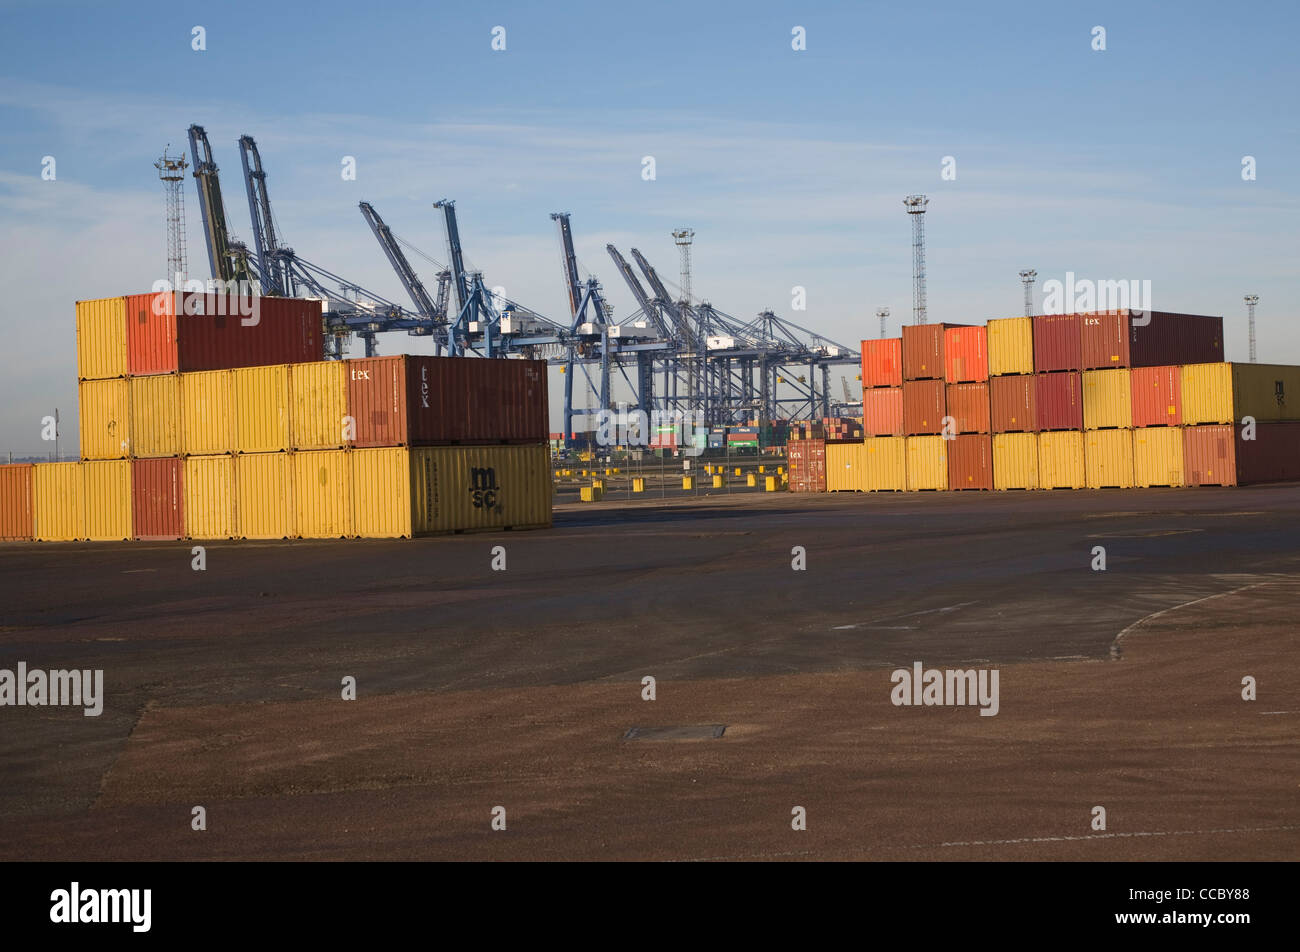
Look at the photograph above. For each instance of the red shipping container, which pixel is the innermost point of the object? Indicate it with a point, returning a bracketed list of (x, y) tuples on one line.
[(1157, 396), (1057, 344), (970, 462), (17, 503), (807, 459), (923, 351), (1012, 407), (210, 333), (882, 411), (158, 498), (1058, 401), (882, 362), (1273, 456), (409, 400), (968, 405), (924, 407), (965, 354), (1129, 339)]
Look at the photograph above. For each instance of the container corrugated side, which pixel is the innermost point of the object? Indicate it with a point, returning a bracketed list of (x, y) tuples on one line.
[(1209, 457), (1103, 340), (965, 354), (319, 405), (1011, 345), (1015, 461), (923, 352), (156, 416), (1107, 399), (381, 492), (208, 412), (1108, 458), (151, 333), (158, 498), (262, 409), (1268, 392), (1158, 456), (1012, 403), (264, 506), (210, 497), (60, 502), (884, 464), (1161, 338), (927, 462), (1058, 401), (968, 405), (1057, 343), (217, 332), (807, 460), (107, 495), (1273, 456), (970, 462), (17, 506), (104, 422), (843, 467), (1157, 396), (882, 411), (452, 400), (1061, 460), (101, 339), (882, 362), (924, 407), (463, 488), (322, 494), (377, 400), (1207, 393)]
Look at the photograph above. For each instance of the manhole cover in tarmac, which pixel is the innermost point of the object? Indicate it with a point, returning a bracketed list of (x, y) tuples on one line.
[(686, 732)]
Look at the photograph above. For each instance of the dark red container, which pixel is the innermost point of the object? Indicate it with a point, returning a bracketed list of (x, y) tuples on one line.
[(968, 405), (970, 462), (158, 498), (965, 354), (882, 362), (17, 502), (924, 407), (409, 400), (882, 411), (1129, 339), (923, 351), (1056, 343), (1058, 401), (1012, 404), (210, 333), (1273, 456), (1157, 396), (807, 459)]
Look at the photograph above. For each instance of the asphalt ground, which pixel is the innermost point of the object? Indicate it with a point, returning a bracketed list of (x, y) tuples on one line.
[(479, 689)]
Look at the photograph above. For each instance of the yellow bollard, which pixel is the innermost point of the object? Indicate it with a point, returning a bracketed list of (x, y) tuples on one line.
[(598, 484), (751, 480), (584, 472), (638, 484), (737, 470), (760, 469), (591, 493), (688, 482), (770, 484), (717, 482), (615, 470), (780, 470)]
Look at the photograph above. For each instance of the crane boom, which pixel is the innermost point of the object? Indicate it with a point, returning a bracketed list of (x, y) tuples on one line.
[(570, 262), (227, 258), (275, 278), (458, 278), (396, 257)]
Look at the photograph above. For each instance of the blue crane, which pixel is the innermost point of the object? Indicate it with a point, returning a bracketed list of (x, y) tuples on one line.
[(435, 313)]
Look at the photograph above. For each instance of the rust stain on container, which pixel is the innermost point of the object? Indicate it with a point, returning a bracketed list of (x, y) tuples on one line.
[(1058, 401), (965, 354), (1057, 344), (924, 407), (968, 405), (882, 362), (17, 506), (970, 462), (1012, 404), (1157, 396), (158, 498), (882, 411)]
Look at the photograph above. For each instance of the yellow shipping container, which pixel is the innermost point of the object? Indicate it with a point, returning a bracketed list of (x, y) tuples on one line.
[(208, 412), (1015, 460), (105, 419), (156, 416), (101, 339), (1224, 393), (1060, 460), (459, 488), (261, 408), (1107, 399), (210, 497), (1158, 456), (264, 496), (1011, 346), (60, 502), (322, 494), (1108, 457), (884, 462), (381, 493), (107, 495), (843, 467), (927, 462), (319, 404)]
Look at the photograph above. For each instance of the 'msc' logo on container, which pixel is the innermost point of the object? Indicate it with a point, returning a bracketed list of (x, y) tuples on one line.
[(483, 487)]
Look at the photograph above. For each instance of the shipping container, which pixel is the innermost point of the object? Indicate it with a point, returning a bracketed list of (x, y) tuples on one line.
[(1157, 396), (104, 423), (156, 416), (968, 405), (1107, 399), (923, 351), (970, 462), (219, 332), (60, 494), (882, 411), (1130, 339), (924, 407), (1012, 404), (807, 459), (264, 507), (319, 405), (1057, 343), (927, 462), (1225, 393), (107, 495), (1273, 456), (17, 503), (381, 493), (1011, 345), (322, 494), (884, 464), (469, 488), (210, 499), (965, 355), (208, 412), (1058, 401), (882, 363), (1015, 461), (1108, 458), (1209, 456), (1060, 460), (1158, 456), (844, 470), (158, 499), (262, 402), (101, 339)]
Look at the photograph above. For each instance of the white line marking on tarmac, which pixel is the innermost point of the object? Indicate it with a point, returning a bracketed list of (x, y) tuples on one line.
[(1114, 645), (1262, 713), (1109, 836)]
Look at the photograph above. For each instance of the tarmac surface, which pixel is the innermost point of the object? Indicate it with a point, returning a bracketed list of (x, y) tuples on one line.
[(479, 689)]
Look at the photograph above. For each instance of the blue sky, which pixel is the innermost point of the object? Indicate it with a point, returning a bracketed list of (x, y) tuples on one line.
[(791, 166)]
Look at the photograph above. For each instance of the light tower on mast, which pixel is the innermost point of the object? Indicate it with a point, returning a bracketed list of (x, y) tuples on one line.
[(171, 171), (915, 205), (882, 313), (1251, 301), (683, 237), (1027, 279)]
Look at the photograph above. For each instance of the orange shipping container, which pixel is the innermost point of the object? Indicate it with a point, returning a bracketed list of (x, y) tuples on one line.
[(16, 505), (968, 405), (923, 351), (1012, 404), (970, 462), (924, 407), (882, 411), (882, 363), (1208, 455), (1157, 394), (965, 355)]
